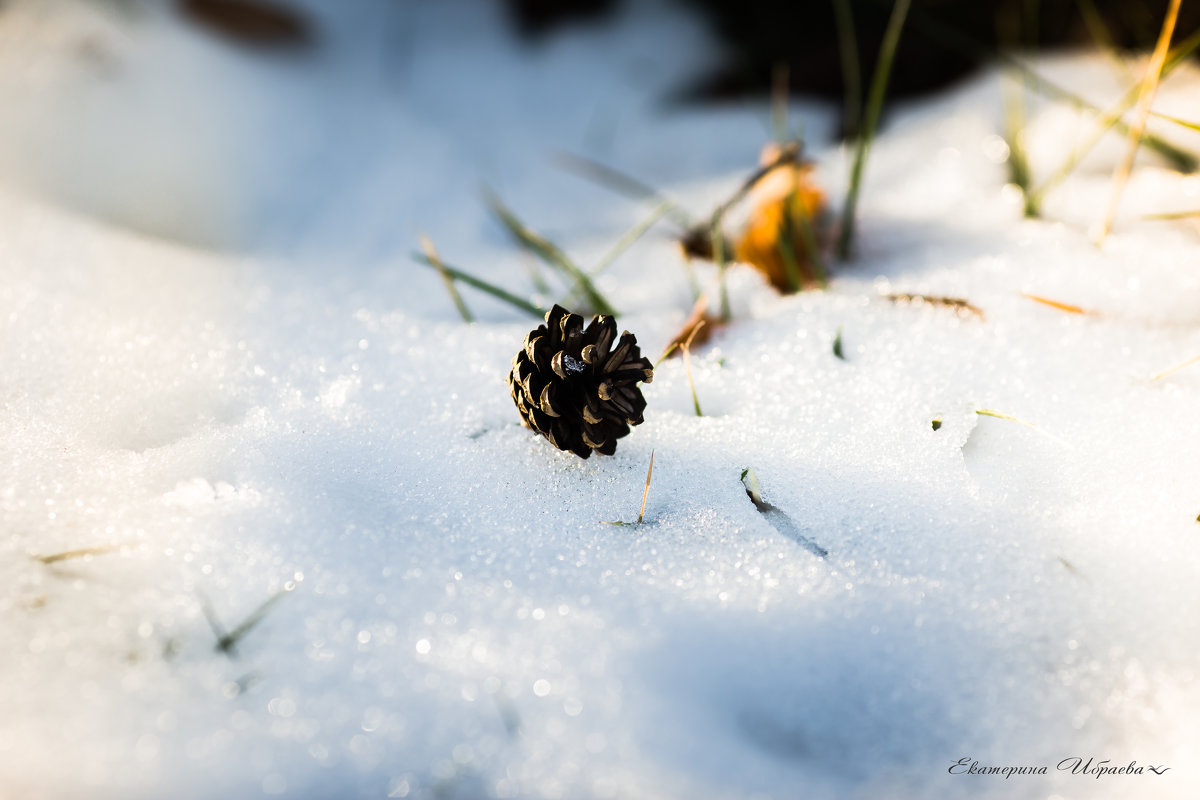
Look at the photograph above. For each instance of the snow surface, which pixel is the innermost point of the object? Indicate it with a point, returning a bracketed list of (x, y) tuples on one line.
[(219, 359)]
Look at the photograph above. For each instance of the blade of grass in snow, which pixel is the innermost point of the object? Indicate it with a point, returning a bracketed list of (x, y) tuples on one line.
[(484, 286), (777, 519), (722, 266), (432, 256), (632, 235), (226, 642), (1174, 369), (1195, 126), (646, 491), (851, 75), (1067, 307), (550, 253), (620, 182), (1173, 215), (645, 494), (1094, 22), (951, 39), (83, 552), (837, 344), (1145, 100), (883, 69), (686, 347), (987, 412), (1015, 88)]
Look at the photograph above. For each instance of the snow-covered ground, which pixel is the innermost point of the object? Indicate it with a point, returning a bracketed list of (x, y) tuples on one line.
[(219, 360)]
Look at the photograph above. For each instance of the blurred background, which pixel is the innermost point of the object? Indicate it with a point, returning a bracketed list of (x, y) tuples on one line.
[(300, 127)]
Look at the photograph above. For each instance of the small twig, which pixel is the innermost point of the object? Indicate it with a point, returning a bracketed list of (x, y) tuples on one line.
[(433, 258), (1145, 100), (1174, 369)]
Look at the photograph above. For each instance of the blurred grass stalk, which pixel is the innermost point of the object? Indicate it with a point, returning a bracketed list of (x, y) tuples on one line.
[(883, 69), (1145, 99)]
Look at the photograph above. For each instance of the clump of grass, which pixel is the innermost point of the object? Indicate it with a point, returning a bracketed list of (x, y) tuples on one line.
[(1146, 94), (975, 50), (878, 90)]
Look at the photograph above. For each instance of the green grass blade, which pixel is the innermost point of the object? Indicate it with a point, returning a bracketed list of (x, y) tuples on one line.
[(851, 73), (619, 182), (431, 255), (878, 90), (1173, 215), (720, 256), (550, 253), (1195, 126), (484, 286), (632, 235)]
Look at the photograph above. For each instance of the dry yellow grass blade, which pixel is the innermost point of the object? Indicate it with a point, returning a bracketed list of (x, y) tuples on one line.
[(1174, 369), (1067, 307), (1145, 100)]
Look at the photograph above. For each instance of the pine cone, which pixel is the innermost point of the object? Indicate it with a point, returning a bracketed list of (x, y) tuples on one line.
[(574, 387)]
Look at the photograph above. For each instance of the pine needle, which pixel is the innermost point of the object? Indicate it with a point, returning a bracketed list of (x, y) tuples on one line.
[(1145, 100), (1067, 307), (958, 304), (483, 286), (1174, 369), (687, 364), (883, 69), (432, 256), (646, 491)]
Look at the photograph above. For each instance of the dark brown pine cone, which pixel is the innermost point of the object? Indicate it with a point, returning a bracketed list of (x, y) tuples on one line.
[(575, 387)]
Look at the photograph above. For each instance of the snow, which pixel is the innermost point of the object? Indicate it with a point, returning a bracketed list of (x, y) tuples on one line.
[(239, 387)]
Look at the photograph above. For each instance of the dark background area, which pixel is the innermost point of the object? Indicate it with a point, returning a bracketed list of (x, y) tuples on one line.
[(944, 40)]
